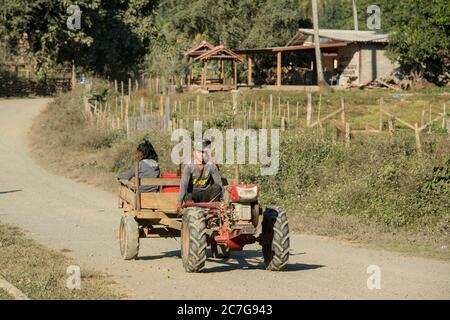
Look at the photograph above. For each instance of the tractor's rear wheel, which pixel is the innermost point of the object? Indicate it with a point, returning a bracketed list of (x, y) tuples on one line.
[(193, 240), (275, 231), (129, 237)]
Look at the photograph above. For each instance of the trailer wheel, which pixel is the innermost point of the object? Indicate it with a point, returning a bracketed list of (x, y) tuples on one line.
[(129, 237), (275, 231), (193, 240)]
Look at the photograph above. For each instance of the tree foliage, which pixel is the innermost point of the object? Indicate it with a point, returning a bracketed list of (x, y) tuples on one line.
[(117, 36)]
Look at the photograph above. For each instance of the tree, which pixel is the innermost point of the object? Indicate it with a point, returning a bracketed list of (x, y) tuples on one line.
[(419, 38), (320, 78), (113, 39), (355, 15)]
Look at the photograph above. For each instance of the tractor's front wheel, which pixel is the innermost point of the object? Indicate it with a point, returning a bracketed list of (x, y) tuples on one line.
[(275, 232), (193, 240), (129, 237)]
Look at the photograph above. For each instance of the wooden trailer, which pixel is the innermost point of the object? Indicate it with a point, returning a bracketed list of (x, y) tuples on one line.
[(146, 215)]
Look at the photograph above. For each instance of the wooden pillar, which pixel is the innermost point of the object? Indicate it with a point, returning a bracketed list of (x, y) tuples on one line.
[(206, 72), (235, 74), (279, 61), (222, 70), (190, 76), (250, 71), (203, 74)]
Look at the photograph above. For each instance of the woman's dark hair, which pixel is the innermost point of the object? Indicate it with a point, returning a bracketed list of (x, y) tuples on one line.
[(147, 150)]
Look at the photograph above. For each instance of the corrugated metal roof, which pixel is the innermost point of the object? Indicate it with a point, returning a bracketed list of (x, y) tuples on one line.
[(341, 35)]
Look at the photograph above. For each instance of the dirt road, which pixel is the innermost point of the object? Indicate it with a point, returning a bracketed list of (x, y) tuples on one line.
[(63, 214)]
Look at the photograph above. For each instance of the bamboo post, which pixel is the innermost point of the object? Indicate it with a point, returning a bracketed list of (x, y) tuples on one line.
[(198, 108), (431, 124), (142, 111), (418, 143), (380, 124), (288, 115), (309, 110), (271, 109), (129, 88), (444, 114), (127, 120), (422, 119), (279, 106), (391, 125), (319, 107), (166, 114), (347, 134)]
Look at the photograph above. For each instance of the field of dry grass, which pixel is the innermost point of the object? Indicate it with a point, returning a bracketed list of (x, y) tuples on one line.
[(40, 273)]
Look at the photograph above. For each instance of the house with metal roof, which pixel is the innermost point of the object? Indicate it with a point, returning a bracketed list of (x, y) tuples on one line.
[(348, 57)]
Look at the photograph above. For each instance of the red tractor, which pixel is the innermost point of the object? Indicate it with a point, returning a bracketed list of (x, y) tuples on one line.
[(232, 224), (224, 226)]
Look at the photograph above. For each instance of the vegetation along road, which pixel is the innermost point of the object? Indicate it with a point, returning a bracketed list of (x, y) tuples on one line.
[(63, 214)]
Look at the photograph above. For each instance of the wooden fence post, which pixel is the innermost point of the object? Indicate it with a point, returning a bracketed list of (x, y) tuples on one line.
[(161, 106), (288, 115), (380, 126), (347, 134), (343, 110), (279, 106), (444, 115), (271, 109), (142, 111), (129, 88), (127, 120), (418, 143), (309, 110)]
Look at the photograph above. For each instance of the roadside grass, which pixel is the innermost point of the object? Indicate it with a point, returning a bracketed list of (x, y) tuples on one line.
[(4, 295), (378, 191), (40, 273)]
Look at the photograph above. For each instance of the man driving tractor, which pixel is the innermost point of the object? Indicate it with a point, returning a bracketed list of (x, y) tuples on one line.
[(201, 180)]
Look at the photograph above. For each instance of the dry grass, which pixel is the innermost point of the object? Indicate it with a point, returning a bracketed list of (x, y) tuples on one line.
[(40, 273), (4, 295)]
